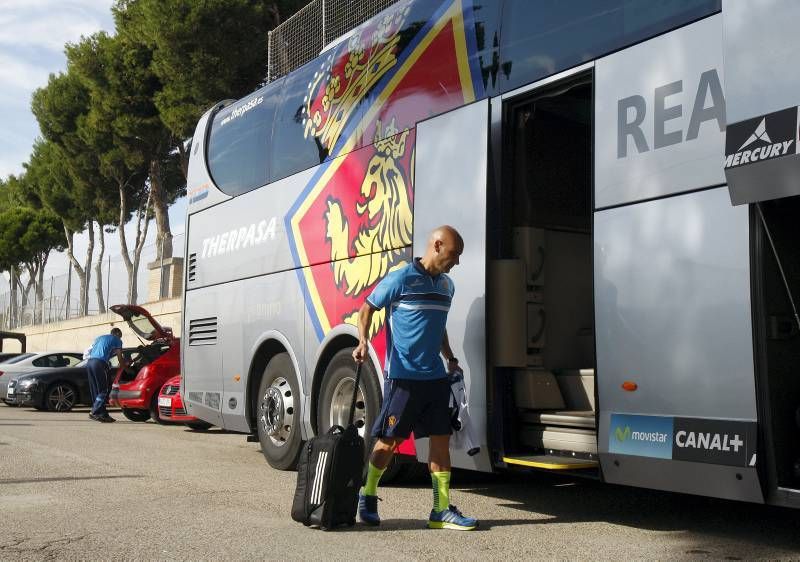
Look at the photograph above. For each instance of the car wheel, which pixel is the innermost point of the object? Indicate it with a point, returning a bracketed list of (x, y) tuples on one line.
[(336, 396), (60, 397), (154, 414), (136, 415), (199, 426), (278, 413)]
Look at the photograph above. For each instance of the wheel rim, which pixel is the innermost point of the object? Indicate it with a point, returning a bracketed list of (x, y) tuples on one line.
[(340, 405), (277, 411), (61, 398)]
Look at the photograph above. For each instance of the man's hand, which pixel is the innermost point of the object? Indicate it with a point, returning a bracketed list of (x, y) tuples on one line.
[(360, 352), (453, 367)]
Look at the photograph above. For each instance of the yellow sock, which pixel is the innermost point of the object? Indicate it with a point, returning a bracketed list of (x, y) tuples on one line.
[(373, 476), (441, 490)]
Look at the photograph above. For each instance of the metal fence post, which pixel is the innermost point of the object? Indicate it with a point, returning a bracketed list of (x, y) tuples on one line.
[(324, 2)]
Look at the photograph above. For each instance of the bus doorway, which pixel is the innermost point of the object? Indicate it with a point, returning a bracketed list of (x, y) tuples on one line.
[(541, 313), (776, 293)]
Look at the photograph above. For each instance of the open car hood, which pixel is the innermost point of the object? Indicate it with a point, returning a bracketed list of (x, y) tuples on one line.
[(141, 322)]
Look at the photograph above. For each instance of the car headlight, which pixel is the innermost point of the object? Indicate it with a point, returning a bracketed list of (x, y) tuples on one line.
[(27, 383)]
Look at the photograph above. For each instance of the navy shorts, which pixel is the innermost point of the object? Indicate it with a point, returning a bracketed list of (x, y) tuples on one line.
[(414, 405)]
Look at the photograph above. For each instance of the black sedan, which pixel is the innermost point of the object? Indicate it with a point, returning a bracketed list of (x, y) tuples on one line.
[(59, 389)]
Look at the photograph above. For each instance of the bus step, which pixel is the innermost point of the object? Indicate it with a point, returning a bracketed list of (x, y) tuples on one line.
[(551, 462), (252, 438)]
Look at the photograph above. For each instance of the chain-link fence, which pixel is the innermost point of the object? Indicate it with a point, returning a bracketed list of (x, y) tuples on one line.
[(321, 22), (61, 298)]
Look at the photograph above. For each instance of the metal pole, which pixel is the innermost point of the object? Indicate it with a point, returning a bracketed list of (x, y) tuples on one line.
[(108, 283), (323, 23)]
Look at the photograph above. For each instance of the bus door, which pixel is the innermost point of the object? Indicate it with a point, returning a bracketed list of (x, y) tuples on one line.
[(762, 169), (450, 188), (676, 382), (541, 318)]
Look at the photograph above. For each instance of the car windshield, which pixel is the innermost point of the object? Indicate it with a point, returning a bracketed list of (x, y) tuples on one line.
[(18, 358)]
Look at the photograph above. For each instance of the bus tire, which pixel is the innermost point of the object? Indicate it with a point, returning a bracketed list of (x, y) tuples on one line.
[(336, 395), (278, 413)]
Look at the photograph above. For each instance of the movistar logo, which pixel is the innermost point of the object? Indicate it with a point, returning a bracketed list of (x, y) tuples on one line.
[(622, 434)]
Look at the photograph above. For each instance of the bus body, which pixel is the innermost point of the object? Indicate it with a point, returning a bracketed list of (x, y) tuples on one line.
[(624, 176)]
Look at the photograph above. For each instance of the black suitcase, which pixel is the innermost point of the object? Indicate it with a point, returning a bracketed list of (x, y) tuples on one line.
[(329, 474)]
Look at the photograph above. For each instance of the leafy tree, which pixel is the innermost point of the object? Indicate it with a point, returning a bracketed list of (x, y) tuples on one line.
[(66, 171), (124, 125), (27, 236), (10, 256), (203, 52)]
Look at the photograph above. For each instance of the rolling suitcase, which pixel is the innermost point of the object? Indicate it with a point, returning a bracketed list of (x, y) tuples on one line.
[(329, 474)]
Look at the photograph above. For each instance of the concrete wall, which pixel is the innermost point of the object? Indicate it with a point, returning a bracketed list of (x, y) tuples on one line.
[(78, 334)]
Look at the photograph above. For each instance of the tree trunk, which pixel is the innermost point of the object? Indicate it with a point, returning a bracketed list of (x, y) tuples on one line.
[(132, 266), (42, 264), (69, 234), (163, 232), (98, 271), (183, 154), (87, 268), (13, 309), (38, 293), (26, 292)]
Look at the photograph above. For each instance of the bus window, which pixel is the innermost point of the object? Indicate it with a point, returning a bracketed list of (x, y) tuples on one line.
[(292, 151), (239, 141), (542, 37)]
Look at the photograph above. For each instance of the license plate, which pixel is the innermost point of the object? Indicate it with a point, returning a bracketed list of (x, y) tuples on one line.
[(11, 391), (165, 401)]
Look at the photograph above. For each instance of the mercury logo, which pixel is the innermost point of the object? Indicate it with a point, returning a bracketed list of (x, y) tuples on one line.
[(759, 134), (708, 441), (748, 156)]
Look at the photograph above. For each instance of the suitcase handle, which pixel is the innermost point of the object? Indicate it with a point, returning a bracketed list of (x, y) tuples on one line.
[(355, 394)]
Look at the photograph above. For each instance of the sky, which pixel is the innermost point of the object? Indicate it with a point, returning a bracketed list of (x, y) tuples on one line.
[(32, 38)]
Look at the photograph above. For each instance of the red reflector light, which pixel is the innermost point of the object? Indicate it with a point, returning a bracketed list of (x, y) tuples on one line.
[(630, 386)]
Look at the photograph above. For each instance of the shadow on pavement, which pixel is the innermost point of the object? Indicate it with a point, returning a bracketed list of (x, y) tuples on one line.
[(574, 500)]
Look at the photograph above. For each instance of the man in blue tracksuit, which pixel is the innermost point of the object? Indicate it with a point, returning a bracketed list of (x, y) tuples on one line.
[(417, 391), (97, 365)]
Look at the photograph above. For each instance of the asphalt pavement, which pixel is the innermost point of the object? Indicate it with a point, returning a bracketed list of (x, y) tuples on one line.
[(71, 488)]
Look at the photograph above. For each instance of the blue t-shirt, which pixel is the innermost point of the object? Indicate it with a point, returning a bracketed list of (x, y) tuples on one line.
[(104, 347), (416, 315)]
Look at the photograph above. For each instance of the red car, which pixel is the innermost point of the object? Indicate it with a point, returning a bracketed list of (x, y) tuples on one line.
[(136, 388), (171, 408)]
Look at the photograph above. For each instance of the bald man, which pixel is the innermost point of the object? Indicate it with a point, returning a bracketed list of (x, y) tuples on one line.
[(417, 391)]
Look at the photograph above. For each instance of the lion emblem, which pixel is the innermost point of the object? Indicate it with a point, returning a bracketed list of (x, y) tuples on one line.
[(384, 203)]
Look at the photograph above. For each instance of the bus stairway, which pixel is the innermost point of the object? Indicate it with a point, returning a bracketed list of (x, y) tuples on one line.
[(561, 440)]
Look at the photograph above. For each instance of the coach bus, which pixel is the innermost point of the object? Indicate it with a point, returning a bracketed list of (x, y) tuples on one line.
[(624, 175)]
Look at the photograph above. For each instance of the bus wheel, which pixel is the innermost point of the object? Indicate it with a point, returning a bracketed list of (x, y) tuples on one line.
[(336, 395), (279, 413)]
